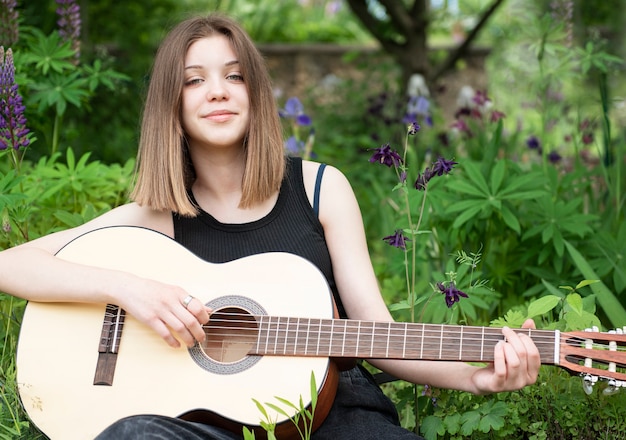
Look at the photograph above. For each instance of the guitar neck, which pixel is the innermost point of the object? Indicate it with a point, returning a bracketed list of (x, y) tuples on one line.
[(368, 340)]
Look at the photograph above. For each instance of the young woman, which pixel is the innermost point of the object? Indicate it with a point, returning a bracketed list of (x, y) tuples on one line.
[(213, 176)]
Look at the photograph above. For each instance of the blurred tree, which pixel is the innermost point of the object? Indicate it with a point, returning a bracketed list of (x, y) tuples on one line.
[(402, 28)]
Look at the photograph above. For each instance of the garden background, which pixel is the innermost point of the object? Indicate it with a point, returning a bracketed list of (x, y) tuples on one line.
[(527, 97)]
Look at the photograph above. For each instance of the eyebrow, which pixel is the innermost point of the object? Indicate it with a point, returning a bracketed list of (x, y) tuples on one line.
[(227, 64)]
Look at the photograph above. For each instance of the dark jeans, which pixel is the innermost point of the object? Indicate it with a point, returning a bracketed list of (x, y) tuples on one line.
[(360, 412)]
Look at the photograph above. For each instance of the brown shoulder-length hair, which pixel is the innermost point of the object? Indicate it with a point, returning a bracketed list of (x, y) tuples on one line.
[(165, 172)]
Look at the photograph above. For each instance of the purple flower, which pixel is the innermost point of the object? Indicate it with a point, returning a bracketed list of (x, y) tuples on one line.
[(418, 106), (496, 116), (69, 23), (398, 239), (295, 110), (423, 179), (293, 145), (413, 128), (402, 177), (533, 143), (461, 126), (554, 157), (439, 168), (9, 30), (480, 98), (452, 294), (13, 131), (386, 156), (443, 166), (587, 138)]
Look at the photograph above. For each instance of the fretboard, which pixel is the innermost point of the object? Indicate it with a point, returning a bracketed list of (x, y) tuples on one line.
[(368, 340)]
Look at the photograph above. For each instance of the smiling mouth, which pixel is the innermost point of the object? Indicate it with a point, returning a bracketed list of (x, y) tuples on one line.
[(220, 116)]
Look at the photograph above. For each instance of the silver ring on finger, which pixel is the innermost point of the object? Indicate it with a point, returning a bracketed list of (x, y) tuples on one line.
[(187, 300)]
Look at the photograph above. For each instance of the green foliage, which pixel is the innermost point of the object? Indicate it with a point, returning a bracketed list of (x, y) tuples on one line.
[(51, 80), (301, 415), (294, 22)]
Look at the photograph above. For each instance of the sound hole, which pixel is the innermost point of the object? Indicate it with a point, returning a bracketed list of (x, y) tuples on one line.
[(231, 334)]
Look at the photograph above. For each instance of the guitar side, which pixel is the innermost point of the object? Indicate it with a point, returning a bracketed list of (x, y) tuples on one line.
[(58, 348)]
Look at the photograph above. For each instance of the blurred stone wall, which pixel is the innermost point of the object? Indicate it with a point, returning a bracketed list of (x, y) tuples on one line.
[(315, 71)]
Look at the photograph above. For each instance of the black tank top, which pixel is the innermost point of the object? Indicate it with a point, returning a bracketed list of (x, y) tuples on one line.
[(292, 226)]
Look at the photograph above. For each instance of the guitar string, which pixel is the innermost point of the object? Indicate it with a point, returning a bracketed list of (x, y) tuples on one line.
[(537, 334), (493, 334)]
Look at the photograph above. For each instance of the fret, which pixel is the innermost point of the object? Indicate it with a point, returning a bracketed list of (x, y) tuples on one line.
[(296, 338), (482, 343), (365, 339), (441, 341), (461, 345), (330, 337), (422, 342), (358, 339), (406, 336), (319, 334), (260, 332), (286, 337), (269, 331), (308, 332), (277, 335), (388, 338), (343, 343)]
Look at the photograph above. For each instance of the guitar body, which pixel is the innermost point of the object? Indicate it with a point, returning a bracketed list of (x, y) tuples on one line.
[(57, 355)]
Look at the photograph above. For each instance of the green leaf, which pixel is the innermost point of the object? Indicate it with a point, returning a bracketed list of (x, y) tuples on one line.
[(453, 423), (510, 219), (431, 427), (471, 421), (575, 301), (584, 283), (467, 215), (497, 176), (463, 205), (551, 288), (476, 177), (583, 321), (467, 188), (543, 305), (493, 418), (609, 302)]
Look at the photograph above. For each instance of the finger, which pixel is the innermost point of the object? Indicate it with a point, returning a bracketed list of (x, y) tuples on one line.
[(526, 350), (164, 332), (499, 362), (513, 339), (187, 321), (199, 310), (185, 326)]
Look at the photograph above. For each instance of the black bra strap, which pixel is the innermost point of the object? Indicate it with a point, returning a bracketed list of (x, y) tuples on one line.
[(318, 184)]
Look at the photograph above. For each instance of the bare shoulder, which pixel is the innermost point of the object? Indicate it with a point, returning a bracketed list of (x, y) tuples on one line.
[(337, 200), (332, 177), (126, 215)]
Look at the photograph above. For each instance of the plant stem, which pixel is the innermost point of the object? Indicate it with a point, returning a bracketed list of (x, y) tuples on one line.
[(55, 133)]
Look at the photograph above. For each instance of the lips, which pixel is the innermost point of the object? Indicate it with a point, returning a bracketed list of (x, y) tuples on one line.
[(220, 115)]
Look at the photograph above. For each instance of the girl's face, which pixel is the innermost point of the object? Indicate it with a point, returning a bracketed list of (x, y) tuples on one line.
[(215, 104)]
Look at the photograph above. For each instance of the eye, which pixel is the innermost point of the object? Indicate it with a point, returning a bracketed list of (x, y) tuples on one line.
[(193, 81), (235, 77)]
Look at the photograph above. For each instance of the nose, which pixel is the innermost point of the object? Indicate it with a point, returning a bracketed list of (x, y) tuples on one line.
[(216, 90)]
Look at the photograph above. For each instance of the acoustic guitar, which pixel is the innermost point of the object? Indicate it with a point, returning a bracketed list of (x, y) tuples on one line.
[(81, 367)]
